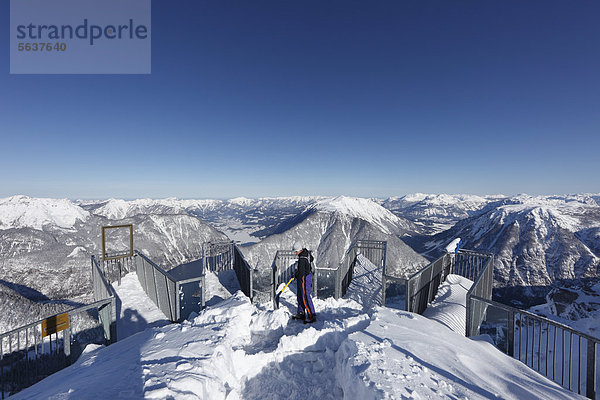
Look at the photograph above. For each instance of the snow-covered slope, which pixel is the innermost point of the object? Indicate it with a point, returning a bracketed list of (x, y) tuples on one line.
[(120, 209), (27, 212), (449, 306), (238, 350)]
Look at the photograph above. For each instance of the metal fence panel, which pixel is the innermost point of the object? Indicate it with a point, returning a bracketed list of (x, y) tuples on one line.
[(394, 292), (190, 296), (244, 272), (558, 352), (423, 285), (27, 357), (159, 286), (329, 281), (283, 269), (162, 294)]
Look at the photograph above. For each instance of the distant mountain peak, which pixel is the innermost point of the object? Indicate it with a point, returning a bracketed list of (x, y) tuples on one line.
[(356, 207), (28, 212)]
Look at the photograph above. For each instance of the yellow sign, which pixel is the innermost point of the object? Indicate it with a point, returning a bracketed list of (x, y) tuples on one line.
[(55, 324)]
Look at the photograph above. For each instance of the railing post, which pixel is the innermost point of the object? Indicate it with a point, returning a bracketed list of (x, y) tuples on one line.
[(468, 316), (178, 301), (274, 281), (251, 285), (590, 391), (408, 296), (510, 335), (203, 280), (338, 283), (383, 284), (120, 271), (315, 283), (67, 341), (204, 256)]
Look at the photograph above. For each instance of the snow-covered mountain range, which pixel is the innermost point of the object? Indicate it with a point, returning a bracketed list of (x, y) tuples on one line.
[(433, 213), (243, 220)]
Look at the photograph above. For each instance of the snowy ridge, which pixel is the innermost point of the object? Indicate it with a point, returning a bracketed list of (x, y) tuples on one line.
[(35, 213)]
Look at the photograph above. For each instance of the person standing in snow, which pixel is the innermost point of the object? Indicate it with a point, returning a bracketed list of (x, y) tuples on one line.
[(306, 310)]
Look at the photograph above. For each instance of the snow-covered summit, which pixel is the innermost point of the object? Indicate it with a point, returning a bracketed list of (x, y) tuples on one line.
[(355, 207), (28, 212)]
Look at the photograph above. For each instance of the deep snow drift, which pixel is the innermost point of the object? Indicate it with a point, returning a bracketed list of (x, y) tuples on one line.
[(235, 350), (450, 304)]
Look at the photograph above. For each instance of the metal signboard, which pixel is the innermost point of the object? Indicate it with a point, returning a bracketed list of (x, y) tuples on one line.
[(55, 324)]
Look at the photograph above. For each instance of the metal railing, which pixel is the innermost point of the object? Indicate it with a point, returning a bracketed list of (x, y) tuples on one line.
[(374, 250), (28, 356), (223, 256), (218, 256), (481, 267), (177, 299), (562, 354), (244, 273), (104, 290), (416, 292), (115, 268), (328, 282)]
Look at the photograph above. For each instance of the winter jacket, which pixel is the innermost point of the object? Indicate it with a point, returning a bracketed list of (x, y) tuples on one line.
[(304, 263)]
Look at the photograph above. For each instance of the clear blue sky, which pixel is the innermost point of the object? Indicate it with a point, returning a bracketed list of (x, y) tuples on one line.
[(268, 98)]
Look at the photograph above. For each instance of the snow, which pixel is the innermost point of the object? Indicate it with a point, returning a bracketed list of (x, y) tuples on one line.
[(568, 212), (365, 287), (136, 311), (450, 304), (236, 349), (452, 246), (407, 356), (28, 212), (241, 201), (362, 208), (77, 252), (120, 209)]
